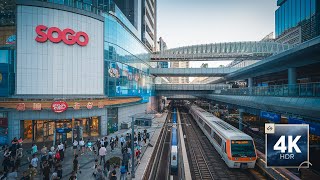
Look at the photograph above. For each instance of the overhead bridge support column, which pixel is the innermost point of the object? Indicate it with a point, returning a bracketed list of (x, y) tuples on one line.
[(241, 111), (250, 85), (292, 76), (292, 81)]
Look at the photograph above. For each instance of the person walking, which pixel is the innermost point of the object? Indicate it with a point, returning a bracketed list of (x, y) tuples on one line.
[(145, 139), (82, 147), (76, 164), (32, 172), (122, 141), (59, 171), (117, 141), (123, 171), (113, 175), (89, 145), (73, 176), (106, 142), (46, 171), (102, 154), (34, 161), (34, 149), (61, 151), (107, 166), (111, 144), (75, 147)]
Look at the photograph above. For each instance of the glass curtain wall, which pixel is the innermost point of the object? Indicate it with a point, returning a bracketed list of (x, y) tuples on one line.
[(290, 13), (126, 62)]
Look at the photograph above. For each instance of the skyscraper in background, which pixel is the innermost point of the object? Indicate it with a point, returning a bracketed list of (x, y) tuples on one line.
[(179, 64), (161, 47), (297, 21), (142, 15)]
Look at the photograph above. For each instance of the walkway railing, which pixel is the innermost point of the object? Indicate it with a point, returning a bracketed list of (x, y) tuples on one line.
[(297, 90)]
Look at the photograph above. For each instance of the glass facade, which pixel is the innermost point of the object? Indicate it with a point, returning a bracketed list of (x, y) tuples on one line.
[(126, 58), (126, 62), (7, 75), (292, 12)]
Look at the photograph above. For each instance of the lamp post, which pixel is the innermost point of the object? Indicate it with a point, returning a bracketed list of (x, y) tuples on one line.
[(132, 147)]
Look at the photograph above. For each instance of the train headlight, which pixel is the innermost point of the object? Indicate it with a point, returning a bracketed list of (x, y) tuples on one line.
[(250, 158), (236, 158)]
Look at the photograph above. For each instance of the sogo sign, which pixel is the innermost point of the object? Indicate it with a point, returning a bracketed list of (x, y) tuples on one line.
[(68, 36)]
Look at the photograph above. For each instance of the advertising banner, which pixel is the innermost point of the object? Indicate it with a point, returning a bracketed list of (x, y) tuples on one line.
[(270, 116)]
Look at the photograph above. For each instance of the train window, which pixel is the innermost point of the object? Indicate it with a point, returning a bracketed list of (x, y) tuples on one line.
[(225, 148), (240, 148), (200, 121), (217, 138), (208, 129)]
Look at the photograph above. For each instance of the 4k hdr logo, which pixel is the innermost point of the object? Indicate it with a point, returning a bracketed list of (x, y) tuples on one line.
[(68, 36)]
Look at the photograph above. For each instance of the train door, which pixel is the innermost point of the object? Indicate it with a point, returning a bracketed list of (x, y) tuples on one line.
[(224, 150)]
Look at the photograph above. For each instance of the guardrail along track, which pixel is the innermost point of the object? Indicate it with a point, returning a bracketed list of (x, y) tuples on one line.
[(205, 162)]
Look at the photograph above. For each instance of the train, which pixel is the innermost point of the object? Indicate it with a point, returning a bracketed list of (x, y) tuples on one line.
[(236, 148), (174, 144)]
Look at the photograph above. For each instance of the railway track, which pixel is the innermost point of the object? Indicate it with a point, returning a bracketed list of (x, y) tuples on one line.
[(164, 160), (205, 162)]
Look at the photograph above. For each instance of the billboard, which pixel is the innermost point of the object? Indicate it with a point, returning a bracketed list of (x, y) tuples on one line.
[(58, 52)]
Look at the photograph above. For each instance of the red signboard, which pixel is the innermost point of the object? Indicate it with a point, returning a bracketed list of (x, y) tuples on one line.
[(21, 107), (68, 36), (59, 106), (89, 105)]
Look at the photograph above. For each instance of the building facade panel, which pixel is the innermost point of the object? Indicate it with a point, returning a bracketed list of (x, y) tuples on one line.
[(58, 68)]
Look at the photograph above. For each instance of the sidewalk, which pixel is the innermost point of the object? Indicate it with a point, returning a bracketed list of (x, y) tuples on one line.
[(86, 161)]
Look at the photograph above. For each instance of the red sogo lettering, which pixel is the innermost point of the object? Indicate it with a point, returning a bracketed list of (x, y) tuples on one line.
[(68, 36)]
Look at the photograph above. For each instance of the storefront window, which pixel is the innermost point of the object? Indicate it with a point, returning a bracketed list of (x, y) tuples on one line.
[(44, 130)]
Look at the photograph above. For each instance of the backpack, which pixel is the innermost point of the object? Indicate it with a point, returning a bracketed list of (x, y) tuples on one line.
[(57, 156), (123, 170)]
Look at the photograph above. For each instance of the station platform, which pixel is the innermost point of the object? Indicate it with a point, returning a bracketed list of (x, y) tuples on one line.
[(186, 173), (147, 151)]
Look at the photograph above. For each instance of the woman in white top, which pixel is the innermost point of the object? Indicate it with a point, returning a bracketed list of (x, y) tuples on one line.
[(81, 143), (75, 147)]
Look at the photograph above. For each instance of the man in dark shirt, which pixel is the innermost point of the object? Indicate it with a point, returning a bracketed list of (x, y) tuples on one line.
[(75, 164), (46, 171)]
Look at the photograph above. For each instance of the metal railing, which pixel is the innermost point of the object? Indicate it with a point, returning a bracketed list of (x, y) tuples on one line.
[(285, 90)]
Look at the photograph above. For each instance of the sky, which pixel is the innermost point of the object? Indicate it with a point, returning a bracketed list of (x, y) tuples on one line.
[(191, 22)]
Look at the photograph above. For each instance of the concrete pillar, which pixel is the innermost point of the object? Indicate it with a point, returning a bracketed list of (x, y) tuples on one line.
[(241, 111), (292, 76), (104, 124), (250, 85), (250, 82)]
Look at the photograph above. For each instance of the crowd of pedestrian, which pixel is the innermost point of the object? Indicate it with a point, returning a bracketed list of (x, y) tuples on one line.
[(47, 162)]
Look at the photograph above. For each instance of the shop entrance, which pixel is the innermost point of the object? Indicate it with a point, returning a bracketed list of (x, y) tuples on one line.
[(33, 131)]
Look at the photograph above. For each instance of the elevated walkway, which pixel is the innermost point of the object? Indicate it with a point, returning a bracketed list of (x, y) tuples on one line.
[(301, 55), (191, 87), (192, 72), (221, 51), (302, 106)]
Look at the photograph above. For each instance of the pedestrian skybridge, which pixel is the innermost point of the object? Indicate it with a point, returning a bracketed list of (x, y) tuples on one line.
[(189, 90), (222, 51), (192, 72)]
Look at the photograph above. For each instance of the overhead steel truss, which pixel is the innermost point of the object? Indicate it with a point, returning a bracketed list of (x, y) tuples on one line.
[(221, 51)]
